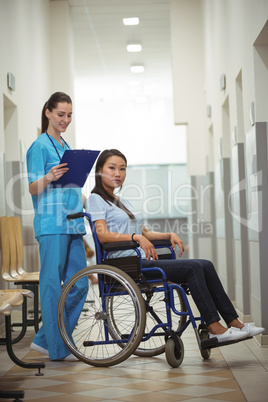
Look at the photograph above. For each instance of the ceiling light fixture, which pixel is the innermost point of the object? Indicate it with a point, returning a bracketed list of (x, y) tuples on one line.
[(134, 47), (131, 21), (137, 69)]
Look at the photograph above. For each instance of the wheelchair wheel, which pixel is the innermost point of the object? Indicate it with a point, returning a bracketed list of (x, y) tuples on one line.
[(87, 334), (205, 353), (174, 353), (156, 344)]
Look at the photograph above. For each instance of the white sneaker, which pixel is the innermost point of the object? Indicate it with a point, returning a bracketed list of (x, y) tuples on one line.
[(39, 349), (251, 329), (70, 358), (232, 334)]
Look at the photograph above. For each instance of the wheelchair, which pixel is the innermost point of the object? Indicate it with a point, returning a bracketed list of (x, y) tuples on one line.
[(126, 313)]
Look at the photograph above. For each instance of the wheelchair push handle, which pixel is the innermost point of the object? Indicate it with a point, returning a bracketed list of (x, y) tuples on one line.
[(75, 216)]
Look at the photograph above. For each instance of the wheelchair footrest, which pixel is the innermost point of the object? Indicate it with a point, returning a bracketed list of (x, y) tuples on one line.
[(214, 343)]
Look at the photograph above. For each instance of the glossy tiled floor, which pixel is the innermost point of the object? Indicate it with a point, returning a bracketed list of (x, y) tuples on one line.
[(233, 373)]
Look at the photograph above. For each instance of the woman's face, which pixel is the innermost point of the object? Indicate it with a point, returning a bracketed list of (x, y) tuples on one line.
[(60, 118), (113, 173)]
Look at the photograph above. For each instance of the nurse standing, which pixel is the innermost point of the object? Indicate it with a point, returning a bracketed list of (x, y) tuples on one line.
[(61, 245)]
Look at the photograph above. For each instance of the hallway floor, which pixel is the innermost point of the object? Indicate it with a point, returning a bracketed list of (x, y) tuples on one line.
[(237, 372)]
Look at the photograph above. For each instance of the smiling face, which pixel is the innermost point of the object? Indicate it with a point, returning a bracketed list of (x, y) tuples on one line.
[(59, 118), (113, 173)]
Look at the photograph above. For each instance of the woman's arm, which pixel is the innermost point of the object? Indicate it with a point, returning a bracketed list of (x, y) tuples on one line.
[(38, 186), (105, 236), (173, 237)]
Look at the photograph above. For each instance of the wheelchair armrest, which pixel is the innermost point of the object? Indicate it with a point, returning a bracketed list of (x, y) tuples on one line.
[(120, 245), (164, 244), (125, 245), (161, 243)]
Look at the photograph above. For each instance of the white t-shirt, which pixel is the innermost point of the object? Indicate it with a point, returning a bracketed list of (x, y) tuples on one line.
[(117, 220)]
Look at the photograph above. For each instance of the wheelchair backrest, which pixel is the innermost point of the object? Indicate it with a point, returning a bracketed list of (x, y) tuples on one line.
[(98, 246)]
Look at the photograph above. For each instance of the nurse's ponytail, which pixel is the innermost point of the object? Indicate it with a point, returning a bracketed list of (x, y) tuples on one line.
[(51, 104)]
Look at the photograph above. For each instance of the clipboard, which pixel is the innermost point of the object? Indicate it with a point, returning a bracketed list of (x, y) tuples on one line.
[(80, 163)]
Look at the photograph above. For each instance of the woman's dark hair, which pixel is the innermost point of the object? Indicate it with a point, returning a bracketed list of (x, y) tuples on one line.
[(99, 189), (51, 104)]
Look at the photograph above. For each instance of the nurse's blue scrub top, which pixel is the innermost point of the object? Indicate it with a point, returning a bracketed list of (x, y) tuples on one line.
[(53, 205)]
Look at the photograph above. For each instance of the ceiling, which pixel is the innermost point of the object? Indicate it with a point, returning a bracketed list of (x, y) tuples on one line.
[(102, 62)]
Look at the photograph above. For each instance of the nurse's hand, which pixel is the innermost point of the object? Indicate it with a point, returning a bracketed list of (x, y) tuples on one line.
[(38, 186), (57, 171)]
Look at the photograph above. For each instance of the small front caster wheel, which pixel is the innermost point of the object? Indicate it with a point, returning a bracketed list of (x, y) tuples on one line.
[(174, 352), (205, 353)]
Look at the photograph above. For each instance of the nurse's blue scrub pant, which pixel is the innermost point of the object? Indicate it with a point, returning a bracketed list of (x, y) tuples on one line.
[(61, 255)]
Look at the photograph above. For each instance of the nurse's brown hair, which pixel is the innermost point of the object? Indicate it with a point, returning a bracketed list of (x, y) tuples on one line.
[(52, 103)]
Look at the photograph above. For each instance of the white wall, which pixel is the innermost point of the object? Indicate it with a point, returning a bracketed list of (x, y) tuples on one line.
[(36, 47), (24, 46), (211, 38), (230, 29), (25, 52), (234, 42), (188, 77), (62, 56)]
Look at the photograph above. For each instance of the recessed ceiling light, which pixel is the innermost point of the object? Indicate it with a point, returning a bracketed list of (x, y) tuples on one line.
[(131, 21), (137, 69), (134, 47)]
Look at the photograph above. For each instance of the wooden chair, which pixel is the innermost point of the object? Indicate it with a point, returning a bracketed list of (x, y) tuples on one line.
[(11, 260), (9, 298), (30, 276), (5, 250)]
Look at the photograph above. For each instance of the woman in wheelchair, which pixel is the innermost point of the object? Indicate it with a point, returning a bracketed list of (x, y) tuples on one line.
[(116, 220)]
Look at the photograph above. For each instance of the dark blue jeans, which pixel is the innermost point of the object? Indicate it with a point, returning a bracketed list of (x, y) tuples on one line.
[(204, 284)]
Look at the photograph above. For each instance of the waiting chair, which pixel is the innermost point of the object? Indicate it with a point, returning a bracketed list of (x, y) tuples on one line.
[(11, 265), (8, 299), (30, 276)]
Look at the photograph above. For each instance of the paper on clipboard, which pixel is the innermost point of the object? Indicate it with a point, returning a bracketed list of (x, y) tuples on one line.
[(80, 163)]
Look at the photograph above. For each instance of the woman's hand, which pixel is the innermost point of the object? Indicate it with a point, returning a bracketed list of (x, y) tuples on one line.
[(175, 240), (147, 246), (172, 237), (38, 186), (56, 172)]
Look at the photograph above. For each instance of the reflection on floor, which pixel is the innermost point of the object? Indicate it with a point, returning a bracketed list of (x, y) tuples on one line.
[(233, 373)]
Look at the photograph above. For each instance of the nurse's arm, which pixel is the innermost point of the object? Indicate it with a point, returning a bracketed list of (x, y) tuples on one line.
[(38, 186)]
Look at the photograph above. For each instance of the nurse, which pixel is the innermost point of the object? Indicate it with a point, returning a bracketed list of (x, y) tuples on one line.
[(61, 245)]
